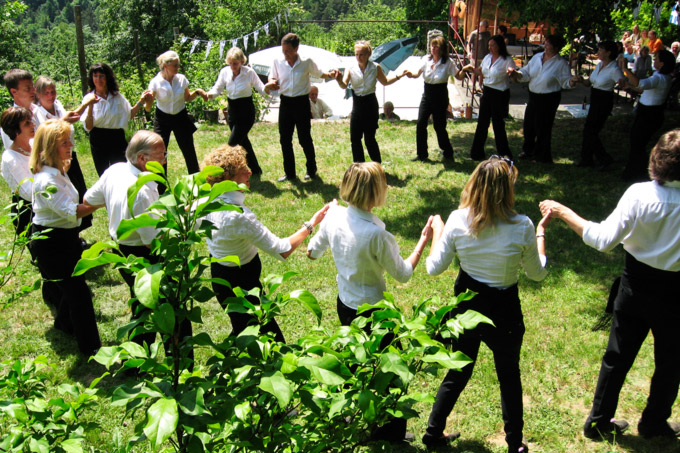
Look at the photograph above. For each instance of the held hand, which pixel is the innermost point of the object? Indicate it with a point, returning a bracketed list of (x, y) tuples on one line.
[(146, 96), (272, 85), (71, 117), (90, 99), (551, 208), (319, 215), (427, 230), (574, 80), (437, 223), (540, 229)]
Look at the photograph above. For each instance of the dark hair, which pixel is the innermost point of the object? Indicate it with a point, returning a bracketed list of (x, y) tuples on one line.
[(557, 42), (503, 29), (502, 48), (292, 39), (664, 161), (611, 47), (443, 48), (105, 69), (14, 76), (668, 60), (11, 120)]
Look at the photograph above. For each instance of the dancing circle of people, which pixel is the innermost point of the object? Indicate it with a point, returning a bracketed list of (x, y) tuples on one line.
[(485, 234)]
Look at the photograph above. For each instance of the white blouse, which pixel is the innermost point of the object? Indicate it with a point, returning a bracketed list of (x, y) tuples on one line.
[(58, 210), (239, 87), (605, 78), (14, 170), (110, 113), (496, 74), (546, 78), (655, 88), (363, 83), (169, 97), (436, 73), (43, 115)]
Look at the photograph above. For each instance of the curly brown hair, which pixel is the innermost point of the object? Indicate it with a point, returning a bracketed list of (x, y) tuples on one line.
[(664, 161), (231, 159)]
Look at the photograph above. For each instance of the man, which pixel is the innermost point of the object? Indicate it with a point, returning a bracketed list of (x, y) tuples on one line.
[(478, 50), (388, 112), (655, 44), (646, 222), (291, 75), (320, 109), (675, 48)]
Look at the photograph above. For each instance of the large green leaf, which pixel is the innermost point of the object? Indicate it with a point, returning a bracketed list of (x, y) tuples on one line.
[(326, 369), (452, 360), (147, 286), (391, 362), (162, 419), (192, 402), (141, 181), (279, 386), (309, 301), (85, 264), (72, 445), (367, 402), (163, 317), (128, 226)]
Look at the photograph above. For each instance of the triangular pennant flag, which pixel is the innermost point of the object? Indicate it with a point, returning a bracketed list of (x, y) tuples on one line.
[(675, 17), (207, 48), (193, 46), (245, 42), (266, 28), (277, 20), (222, 44), (657, 13), (636, 11), (184, 39), (285, 15), (255, 33), (234, 42)]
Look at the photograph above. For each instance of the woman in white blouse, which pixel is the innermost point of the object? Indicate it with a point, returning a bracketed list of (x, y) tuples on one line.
[(239, 80), (494, 104), (492, 242), (436, 69), (241, 234), (107, 117), (171, 91), (602, 82), (363, 75), (57, 218)]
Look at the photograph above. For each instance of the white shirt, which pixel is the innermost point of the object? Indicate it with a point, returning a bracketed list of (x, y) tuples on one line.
[(111, 190), (169, 97), (14, 170), (320, 109), (496, 74), (647, 222), (43, 115), (363, 83), (57, 210), (6, 141), (656, 88), (294, 81), (605, 78), (110, 113), (362, 251), (241, 234), (436, 73), (546, 78), (239, 87), (494, 256)]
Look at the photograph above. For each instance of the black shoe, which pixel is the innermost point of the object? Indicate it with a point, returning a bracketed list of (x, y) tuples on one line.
[(86, 245), (309, 176), (441, 441), (605, 430), (524, 448), (285, 178), (670, 429), (418, 158)]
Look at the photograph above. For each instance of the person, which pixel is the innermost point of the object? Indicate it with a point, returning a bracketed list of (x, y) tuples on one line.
[(675, 49), (644, 39), (655, 44), (241, 234), (649, 114), (478, 43), (388, 112), (643, 64), (495, 100), (436, 69), (239, 81), (635, 36), (602, 82), (628, 52), (57, 218), (363, 251), (320, 109), (290, 75), (645, 222), (502, 30), (107, 117), (547, 73), (492, 242), (363, 75), (171, 92)]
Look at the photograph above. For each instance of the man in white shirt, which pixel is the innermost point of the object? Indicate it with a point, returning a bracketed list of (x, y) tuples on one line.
[(320, 109), (290, 75)]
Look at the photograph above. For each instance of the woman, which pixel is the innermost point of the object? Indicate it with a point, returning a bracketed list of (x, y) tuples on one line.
[(492, 242), (436, 69), (643, 64), (602, 82), (239, 81), (171, 91), (649, 114), (547, 74), (628, 51), (106, 117), (363, 251), (495, 101), (241, 234), (363, 75), (57, 219)]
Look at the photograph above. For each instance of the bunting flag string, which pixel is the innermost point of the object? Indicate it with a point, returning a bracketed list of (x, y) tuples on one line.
[(207, 48), (222, 44), (255, 35), (193, 46), (245, 42)]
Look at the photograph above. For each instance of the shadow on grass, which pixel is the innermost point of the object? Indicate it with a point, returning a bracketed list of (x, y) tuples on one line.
[(300, 189), (638, 444)]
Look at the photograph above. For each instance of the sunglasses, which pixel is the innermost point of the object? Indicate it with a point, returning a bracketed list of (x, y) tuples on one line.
[(504, 159)]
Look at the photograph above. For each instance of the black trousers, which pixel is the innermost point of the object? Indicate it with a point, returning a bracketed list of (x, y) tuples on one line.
[(108, 147), (241, 120), (647, 300), (539, 117), (505, 341), (24, 214), (648, 120), (601, 104), (493, 107), (75, 174), (434, 102), (57, 256), (364, 124), (183, 128), (295, 113), (246, 277)]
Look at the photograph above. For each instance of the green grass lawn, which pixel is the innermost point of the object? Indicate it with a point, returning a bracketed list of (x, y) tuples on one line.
[(562, 349)]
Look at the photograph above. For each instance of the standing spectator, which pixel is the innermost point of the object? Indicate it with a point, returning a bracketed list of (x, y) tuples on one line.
[(635, 36), (503, 32), (478, 48), (655, 44), (290, 75), (171, 91), (388, 112), (643, 64), (320, 109)]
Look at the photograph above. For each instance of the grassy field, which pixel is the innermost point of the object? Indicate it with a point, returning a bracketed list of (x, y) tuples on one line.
[(562, 346)]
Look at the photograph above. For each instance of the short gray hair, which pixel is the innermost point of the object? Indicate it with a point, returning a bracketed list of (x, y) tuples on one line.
[(141, 143), (167, 57)]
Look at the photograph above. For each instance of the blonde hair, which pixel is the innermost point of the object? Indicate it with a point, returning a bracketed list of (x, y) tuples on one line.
[(364, 45), (489, 194), (166, 58), (231, 159), (236, 54), (364, 185), (46, 144), (42, 83)]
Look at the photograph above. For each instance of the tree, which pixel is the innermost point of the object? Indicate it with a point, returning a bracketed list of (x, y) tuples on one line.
[(12, 37)]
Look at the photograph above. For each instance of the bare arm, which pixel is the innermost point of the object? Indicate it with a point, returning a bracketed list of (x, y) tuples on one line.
[(382, 78), (85, 209), (437, 229), (191, 95), (425, 237), (344, 80), (300, 235), (554, 209)]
